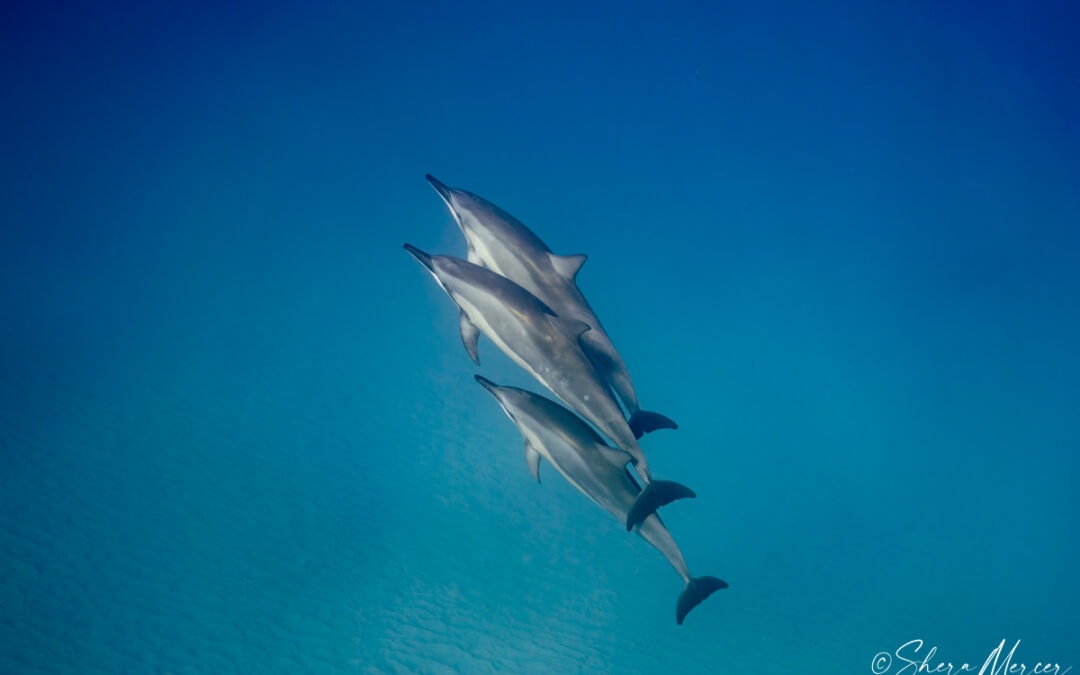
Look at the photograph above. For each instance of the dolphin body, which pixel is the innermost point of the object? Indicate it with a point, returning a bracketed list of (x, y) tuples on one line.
[(501, 243), (599, 472), (530, 333)]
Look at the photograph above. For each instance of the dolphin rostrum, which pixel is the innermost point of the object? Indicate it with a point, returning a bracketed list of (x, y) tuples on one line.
[(501, 243), (599, 472), (526, 330)]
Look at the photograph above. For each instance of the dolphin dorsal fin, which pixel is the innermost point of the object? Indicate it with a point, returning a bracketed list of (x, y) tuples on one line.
[(532, 457), (568, 266), (470, 337), (572, 328)]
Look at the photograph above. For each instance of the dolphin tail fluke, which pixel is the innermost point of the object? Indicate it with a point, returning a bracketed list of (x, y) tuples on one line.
[(696, 590), (656, 494), (643, 422)]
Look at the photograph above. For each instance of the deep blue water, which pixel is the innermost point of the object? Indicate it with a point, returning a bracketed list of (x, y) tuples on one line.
[(238, 432)]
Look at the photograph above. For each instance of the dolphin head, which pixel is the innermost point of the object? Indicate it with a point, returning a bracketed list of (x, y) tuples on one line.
[(466, 208), (509, 398), (449, 271), (456, 200), (424, 258), (432, 263), (495, 390), (444, 190)]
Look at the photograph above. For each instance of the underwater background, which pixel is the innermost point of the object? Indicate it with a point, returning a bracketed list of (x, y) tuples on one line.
[(838, 243)]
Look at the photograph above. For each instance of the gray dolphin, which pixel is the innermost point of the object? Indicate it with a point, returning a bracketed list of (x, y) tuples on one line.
[(501, 243), (599, 472), (530, 333)]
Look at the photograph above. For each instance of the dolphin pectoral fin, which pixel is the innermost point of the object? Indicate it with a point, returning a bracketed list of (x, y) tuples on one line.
[(532, 456), (567, 266), (656, 494), (696, 590), (470, 337), (572, 328), (643, 422)]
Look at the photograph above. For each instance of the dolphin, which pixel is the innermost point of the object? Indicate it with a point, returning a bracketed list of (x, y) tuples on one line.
[(529, 332), (599, 472), (501, 243)]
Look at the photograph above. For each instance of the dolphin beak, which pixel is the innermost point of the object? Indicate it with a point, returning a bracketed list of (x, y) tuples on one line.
[(424, 258), (440, 187), (498, 392), (488, 384)]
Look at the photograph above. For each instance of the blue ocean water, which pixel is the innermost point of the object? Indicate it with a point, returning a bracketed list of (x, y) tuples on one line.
[(238, 431)]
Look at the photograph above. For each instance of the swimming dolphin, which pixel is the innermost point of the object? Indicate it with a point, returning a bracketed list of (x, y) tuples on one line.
[(599, 472), (501, 243), (526, 330)]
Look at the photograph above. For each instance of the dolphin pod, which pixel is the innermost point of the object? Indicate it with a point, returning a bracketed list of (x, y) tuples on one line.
[(526, 330), (525, 299), (500, 242)]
